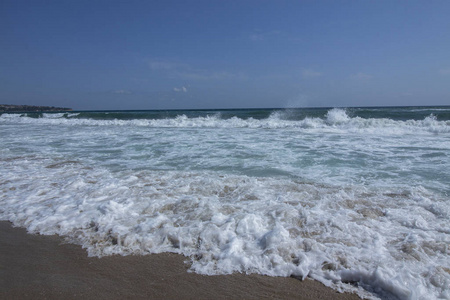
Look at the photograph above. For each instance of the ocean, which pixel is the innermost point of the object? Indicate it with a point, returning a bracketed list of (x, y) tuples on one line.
[(356, 198)]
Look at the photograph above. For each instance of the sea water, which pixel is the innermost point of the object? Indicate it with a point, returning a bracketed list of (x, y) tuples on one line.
[(357, 198)]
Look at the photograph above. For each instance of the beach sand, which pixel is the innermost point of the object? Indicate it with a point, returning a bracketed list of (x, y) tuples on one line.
[(44, 267)]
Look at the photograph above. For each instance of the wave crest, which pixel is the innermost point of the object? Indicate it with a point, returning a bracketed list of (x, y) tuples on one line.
[(335, 119), (337, 116)]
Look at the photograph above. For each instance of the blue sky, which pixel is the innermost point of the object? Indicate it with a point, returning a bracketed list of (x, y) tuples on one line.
[(224, 54)]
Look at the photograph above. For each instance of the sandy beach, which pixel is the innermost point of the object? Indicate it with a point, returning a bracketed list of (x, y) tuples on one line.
[(44, 267)]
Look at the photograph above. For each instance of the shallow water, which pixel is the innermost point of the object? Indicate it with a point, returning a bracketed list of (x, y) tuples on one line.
[(355, 198)]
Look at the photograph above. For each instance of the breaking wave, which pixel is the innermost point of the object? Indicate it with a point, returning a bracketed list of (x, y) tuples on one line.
[(334, 120)]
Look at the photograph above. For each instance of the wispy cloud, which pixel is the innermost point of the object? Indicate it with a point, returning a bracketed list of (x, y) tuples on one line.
[(444, 71), (180, 89), (361, 76), (210, 75), (256, 37), (309, 73), (122, 92)]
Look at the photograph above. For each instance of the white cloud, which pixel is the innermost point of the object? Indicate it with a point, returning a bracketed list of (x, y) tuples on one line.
[(308, 73), (444, 71), (181, 89)]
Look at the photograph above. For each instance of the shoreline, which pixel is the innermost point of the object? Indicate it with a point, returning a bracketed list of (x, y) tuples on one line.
[(45, 267)]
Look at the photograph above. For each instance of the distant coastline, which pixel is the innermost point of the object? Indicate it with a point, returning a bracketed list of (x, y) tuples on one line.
[(30, 108)]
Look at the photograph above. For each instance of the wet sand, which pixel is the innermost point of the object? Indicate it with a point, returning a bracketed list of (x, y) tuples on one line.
[(44, 267)]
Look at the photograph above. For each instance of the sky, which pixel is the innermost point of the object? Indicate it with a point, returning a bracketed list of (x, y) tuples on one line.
[(110, 55)]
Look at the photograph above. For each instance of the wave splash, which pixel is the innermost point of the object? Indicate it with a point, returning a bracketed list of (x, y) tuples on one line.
[(334, 120)]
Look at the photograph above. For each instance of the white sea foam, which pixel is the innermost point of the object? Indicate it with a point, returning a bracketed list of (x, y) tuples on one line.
[(336, 120), (337, 116), (358, 204), (54, 115), (240, 224)]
